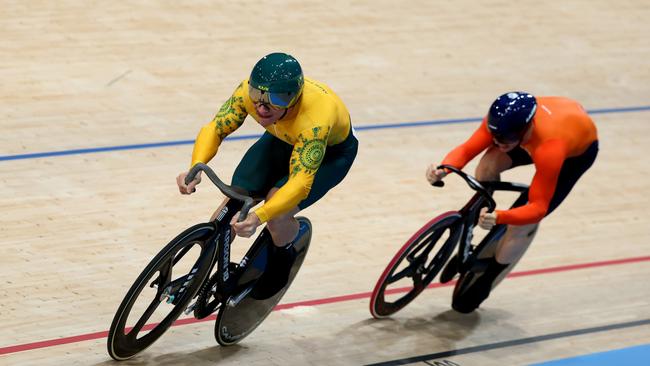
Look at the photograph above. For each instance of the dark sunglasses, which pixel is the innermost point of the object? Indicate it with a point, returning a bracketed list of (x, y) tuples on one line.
[(278, 100)]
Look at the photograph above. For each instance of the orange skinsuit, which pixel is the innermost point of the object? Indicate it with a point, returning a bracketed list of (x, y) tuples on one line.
[(319, 119), (561, 129)]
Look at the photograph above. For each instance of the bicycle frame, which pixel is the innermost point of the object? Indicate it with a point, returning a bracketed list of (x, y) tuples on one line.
[(469, 215), (225, 290), (223, 234), (223, 240), (451, 231)]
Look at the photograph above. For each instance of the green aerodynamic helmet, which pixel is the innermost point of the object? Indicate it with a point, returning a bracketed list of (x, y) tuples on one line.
[(276, 79)]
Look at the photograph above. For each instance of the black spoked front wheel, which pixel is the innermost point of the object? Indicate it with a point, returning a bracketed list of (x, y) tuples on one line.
[(415, 265), (161, 292)]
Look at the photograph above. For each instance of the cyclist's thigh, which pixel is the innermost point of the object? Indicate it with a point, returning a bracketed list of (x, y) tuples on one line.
[(335, 166), (494, 161), (263, 164), (572, 170)]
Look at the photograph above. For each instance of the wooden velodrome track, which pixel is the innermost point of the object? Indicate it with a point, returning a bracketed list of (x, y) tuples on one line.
[(77, 227)]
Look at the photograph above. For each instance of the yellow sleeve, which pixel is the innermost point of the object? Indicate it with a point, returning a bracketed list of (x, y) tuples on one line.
[(231, 115), (306, 158)]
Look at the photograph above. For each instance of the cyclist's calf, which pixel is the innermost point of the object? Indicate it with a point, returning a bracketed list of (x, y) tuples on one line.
[(515, 242), (283, 229)]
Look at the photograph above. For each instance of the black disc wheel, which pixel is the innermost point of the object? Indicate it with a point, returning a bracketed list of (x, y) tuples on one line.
[(162, 291), (238, 317), (415, 265)]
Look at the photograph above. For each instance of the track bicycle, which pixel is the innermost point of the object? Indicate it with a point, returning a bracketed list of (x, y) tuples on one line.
[(178, 280), (425, 253)]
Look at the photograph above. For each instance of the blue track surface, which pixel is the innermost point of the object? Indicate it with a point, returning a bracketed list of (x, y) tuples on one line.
[(633, 356)]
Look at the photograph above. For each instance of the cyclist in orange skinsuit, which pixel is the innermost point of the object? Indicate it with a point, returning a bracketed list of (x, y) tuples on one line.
[(554, 133)]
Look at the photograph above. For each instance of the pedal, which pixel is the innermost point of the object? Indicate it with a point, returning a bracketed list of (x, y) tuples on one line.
[(235, 300), (190, 308)]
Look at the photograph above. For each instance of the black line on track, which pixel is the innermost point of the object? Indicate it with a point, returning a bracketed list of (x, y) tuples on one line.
[(511, 343)]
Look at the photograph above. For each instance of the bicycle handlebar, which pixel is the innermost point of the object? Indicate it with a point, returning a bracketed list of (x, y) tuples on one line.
[(223, 187), (472, 182)]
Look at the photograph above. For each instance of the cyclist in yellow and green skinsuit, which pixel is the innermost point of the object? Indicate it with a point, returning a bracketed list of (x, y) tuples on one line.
[(307, 149)]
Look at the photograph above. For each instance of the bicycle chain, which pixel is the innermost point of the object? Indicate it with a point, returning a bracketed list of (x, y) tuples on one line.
[(205, 307)]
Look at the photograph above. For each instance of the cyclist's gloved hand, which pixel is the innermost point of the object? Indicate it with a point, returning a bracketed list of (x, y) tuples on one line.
[(433, 174), (187, 188), (487, 220)]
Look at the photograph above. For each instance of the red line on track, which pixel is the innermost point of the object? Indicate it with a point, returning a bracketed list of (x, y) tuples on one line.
[(329, 300)]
